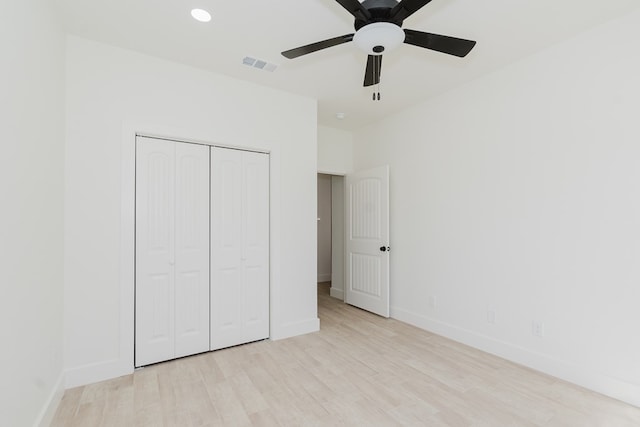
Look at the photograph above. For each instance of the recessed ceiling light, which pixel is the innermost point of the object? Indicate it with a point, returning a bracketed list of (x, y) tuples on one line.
[(201, 15), (340, 116)]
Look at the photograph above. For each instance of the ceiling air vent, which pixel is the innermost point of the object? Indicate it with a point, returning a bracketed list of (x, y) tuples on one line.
[(259, 64)]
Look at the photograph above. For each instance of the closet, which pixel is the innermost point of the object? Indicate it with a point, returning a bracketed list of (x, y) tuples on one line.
[(202, 249)]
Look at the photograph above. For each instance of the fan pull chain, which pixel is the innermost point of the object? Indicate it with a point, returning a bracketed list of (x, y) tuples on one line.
[(379, 64), (376, 93)]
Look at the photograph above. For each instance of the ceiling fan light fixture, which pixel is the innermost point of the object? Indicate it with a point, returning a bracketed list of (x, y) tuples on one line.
[(379, 38)]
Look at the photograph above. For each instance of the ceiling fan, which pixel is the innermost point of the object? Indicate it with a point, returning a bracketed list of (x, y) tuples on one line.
[(378, 29)]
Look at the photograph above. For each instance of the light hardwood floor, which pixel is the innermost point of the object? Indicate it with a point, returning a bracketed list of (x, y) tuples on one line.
[(359, 370)]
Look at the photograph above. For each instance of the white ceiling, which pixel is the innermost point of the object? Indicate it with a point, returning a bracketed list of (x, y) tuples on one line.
[(506, 30)]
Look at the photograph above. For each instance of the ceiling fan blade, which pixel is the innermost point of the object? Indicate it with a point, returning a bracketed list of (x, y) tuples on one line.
[(355, 8), (372, 72), (406, 8), (314, 47), (437, 42)]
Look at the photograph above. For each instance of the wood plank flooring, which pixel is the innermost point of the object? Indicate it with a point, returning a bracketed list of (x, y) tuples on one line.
[(359, 370)]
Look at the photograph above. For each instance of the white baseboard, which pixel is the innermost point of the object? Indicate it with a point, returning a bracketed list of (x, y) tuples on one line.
[(96, 372), (612, 387), (51, 405), (293, 329), (101, 371), (324, 277), (337, 293)]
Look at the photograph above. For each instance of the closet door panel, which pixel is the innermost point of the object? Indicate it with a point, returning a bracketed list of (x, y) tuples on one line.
[(226, 247), (192, 249), (255, 219), (155, 315), (239, 247)]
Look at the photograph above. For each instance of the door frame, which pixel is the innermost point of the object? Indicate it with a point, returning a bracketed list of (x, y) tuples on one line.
[(124, 362), (341, 210), (338, 209)]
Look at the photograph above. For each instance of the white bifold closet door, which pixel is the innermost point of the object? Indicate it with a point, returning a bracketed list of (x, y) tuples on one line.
[(239, 247), (172, 250)]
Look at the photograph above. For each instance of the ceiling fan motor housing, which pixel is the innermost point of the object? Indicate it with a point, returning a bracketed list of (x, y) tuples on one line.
[(380, 11), (380, 33)]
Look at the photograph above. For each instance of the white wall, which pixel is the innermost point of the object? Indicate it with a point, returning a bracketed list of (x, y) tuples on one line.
[(31, 217), (520, 194), (324, 228), (335, 151), (111, 94)]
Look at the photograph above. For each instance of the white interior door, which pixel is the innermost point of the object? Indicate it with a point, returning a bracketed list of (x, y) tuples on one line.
[(172, 250), (239, 247), (367, 240)]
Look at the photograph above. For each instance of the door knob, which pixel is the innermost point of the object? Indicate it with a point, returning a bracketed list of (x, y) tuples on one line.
[(384, 248)]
